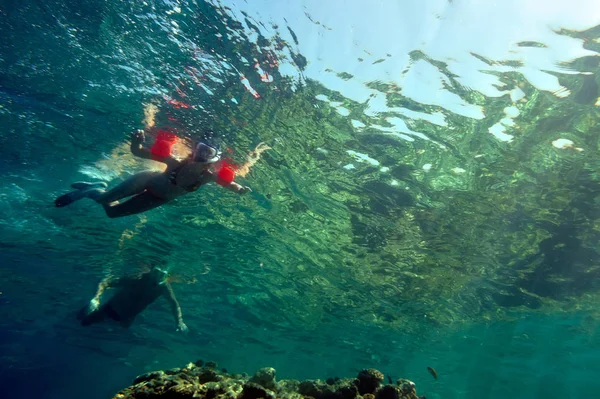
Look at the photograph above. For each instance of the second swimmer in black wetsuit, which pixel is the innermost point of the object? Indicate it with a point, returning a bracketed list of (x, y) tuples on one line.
[(132, 296), (151, 189)]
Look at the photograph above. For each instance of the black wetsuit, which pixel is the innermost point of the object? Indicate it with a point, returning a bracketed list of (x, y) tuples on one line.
[(131, 299), (172, 174)]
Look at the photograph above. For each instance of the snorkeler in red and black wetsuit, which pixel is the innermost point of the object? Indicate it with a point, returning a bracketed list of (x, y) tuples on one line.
[(133, 296), (151, 189)]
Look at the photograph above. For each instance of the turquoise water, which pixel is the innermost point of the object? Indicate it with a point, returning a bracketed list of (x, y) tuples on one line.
[(430, 198)]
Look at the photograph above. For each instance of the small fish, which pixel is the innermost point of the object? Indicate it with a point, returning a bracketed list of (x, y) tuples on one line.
[(432, 372), (390, 379)]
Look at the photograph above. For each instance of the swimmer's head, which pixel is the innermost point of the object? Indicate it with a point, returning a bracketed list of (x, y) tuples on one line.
[(205, 153), (159, 275)]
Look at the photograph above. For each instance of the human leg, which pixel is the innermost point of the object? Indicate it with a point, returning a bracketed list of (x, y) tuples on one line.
[(137, 204), (82, 189), (134, 185), (84, 185)]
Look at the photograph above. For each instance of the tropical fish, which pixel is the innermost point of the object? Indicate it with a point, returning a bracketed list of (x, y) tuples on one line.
[(432, 372)]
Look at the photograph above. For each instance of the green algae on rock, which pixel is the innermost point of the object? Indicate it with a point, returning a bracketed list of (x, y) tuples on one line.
[(193, 381)]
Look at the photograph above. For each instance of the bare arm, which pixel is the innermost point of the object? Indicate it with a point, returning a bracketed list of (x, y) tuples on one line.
[(237, 188), (233, 186), (109, 283), (101, 287), (104, 284), (95, 301), (175, 309)]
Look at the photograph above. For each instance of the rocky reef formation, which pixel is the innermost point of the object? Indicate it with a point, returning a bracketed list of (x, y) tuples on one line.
[(199, 380)]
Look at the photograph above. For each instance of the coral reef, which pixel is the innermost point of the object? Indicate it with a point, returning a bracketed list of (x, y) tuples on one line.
[(265, 377), (368, 381), (199, 380)]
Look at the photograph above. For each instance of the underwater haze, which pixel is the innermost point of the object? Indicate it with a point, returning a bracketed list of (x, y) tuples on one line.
[(430, 198)]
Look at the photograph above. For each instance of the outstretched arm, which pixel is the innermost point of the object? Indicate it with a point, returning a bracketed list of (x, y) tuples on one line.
[(104, 284), (238, 188), (138, 149), (233, 186), (170, 295)]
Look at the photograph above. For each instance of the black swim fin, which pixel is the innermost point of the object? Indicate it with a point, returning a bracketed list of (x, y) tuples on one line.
[(83, 189), (69, 198), (84, 185)]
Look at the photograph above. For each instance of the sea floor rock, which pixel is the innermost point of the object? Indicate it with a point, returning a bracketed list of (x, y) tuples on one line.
[(198, 381)]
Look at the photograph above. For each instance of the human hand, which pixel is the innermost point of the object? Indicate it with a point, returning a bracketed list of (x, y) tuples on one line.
[(93, 305), (182, 327), (244, 190), (138, 136)]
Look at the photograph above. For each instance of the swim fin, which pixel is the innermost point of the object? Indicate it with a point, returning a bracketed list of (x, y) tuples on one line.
[(83, 190), (84, 185), (69, 198)]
